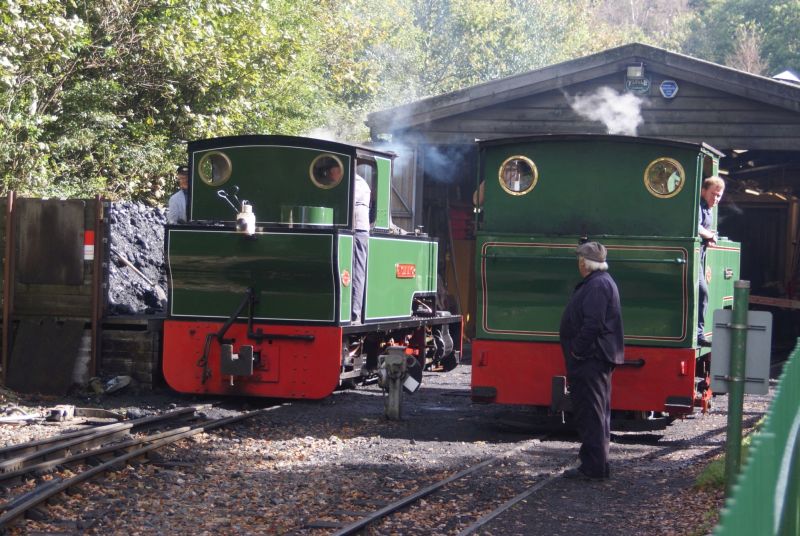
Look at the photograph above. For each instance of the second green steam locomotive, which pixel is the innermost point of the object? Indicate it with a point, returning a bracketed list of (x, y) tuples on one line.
[(640, 198)]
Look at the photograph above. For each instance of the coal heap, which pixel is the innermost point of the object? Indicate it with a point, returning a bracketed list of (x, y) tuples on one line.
[(137, 236)]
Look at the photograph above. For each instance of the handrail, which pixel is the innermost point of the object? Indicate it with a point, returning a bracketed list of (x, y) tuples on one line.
[(766, 497), (572, 258)]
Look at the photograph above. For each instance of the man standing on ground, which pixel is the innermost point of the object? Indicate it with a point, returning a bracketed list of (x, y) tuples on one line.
[(592, 341), (710, 196), (176, 209)]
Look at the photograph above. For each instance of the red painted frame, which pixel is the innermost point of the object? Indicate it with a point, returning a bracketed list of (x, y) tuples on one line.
[(522, 372), (288, 369)]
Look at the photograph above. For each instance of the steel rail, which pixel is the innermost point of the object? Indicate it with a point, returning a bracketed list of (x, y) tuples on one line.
[(486, 518), (48, 491), (40, 444), (490, 516), (80, 443), (51, 465), (405, 501), (92, 437)]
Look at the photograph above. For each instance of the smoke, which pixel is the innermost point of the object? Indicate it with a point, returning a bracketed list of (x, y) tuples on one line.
[(322, 133), (620, 112), (447, 163), (444, 164)]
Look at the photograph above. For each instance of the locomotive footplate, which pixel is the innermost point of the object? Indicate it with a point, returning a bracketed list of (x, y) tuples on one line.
[(388, 325)]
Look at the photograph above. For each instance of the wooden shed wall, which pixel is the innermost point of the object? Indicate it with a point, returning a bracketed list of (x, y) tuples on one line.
[(44, 298), (404, 190), (697, 113)]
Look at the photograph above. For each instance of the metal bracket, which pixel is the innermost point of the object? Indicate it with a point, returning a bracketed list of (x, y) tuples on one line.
[(559, 399), (240, 364), (730, 325)]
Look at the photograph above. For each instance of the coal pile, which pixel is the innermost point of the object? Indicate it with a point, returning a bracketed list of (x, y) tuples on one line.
[(137, 275)]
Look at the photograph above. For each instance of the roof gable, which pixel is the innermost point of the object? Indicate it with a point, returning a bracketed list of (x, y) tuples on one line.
[(603, 64)]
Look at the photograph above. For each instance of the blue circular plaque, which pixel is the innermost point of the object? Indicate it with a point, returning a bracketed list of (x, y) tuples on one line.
[(668, 88)]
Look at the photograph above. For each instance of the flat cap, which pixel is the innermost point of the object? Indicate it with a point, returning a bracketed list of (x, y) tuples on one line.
[(182, 169), (593, 251)]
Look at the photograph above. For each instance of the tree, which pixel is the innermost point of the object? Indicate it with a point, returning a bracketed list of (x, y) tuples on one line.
[(746, 55), (715, 34), (98, 97), (411, 49), (662, 23), (39, 47)]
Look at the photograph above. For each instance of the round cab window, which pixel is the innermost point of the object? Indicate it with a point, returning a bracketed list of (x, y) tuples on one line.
[(215, 168), (664, 177), (326, 171), (518, 175)]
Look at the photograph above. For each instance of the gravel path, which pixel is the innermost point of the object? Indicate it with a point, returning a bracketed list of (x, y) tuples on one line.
[(304, 462)]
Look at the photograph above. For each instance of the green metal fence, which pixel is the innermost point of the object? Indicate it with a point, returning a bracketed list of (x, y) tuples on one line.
[(766, 497)]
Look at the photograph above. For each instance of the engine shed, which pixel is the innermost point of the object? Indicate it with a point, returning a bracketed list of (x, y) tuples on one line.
[(637, 90)]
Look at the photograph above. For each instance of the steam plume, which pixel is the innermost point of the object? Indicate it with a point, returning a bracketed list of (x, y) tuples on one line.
[(620, 112)]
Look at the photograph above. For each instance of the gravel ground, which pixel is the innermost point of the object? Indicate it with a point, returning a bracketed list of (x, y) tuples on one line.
[(305, 462)]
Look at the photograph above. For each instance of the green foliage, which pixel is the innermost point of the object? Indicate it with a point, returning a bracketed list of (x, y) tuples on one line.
[(100, 97), (713, 476), (412, 49), (714, 31)]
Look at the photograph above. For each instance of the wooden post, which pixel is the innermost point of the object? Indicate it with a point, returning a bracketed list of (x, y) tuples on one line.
[(8, 285), (97, 284)]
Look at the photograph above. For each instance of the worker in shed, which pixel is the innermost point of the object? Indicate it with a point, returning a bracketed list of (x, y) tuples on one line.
[(179, 201)]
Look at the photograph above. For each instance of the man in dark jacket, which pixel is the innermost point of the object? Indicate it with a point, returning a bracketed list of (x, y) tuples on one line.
[(592, 341)]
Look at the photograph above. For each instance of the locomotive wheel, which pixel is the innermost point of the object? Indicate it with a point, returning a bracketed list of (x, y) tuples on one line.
[(440, 354), (450, 361)]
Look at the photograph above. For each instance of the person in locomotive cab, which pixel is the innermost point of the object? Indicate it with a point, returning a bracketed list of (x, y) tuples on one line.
[(591, 339), (710, 195), (176, 208), (332, 175), (361, 219)]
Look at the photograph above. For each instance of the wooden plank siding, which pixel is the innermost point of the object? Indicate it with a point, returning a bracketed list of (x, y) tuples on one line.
[(714, 104), (697, 113), (57, 300), (404, 190)]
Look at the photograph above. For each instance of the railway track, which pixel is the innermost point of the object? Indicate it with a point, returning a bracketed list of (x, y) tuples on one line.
[(458, 503), (448, 502), (92, 452)]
